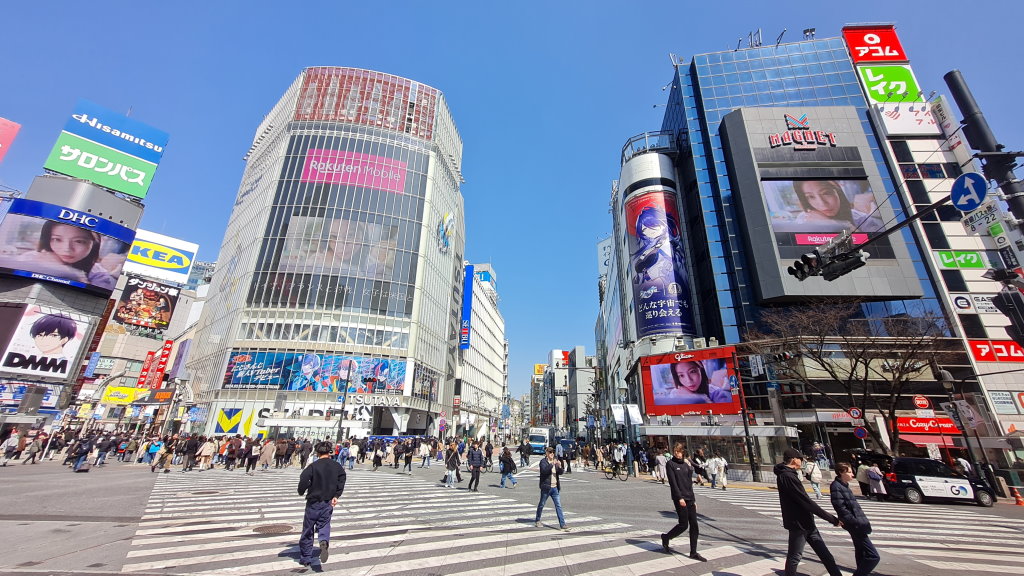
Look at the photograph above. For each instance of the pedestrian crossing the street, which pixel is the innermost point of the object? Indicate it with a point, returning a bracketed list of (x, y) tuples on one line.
[(950, 537), (219, 522)]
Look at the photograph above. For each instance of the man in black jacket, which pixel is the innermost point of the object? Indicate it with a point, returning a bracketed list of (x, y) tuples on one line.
[(680, 480), (475, 460), (798, 511), (322, 482), (854, 520), (191, 446)]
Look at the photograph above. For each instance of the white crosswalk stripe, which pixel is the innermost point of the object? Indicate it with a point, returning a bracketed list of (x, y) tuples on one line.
[(932, 535), (225, 523)]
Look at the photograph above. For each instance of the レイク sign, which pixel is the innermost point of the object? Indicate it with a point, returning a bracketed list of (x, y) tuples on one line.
[(800, 135)]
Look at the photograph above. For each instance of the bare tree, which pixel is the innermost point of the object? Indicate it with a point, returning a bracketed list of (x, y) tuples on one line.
[(848, 360)]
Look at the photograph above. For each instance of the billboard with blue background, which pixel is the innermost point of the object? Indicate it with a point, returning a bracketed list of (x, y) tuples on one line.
[(313, 372)]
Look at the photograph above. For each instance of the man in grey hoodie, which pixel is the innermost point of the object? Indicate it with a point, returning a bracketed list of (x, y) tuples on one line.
[(798, 511)]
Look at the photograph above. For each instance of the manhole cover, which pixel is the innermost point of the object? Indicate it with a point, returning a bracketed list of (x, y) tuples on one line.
[(273, 529)]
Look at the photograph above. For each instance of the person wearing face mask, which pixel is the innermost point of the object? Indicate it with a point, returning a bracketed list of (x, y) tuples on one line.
[(854, 520)]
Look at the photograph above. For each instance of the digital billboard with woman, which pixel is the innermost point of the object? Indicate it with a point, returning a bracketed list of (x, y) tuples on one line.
[(691, 382)]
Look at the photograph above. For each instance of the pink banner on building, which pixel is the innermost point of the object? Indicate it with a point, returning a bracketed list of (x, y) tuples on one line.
[(818, 239), (8, 130), (333, 167)]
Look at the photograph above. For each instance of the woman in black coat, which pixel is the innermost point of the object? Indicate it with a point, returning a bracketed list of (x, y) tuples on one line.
[(853, 519)]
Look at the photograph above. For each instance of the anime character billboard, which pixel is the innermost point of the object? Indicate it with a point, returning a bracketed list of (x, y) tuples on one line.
[(691, 382), (657, 266), (318, 373), (46, 343)]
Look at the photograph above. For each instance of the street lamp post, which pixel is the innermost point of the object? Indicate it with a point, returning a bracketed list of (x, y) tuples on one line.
[(946, 379)]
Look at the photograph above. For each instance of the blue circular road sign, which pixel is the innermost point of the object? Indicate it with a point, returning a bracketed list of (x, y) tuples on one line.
[(860, 432), (969, 191)]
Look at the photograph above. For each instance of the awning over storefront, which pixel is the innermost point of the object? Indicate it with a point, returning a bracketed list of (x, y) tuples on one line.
[(925, 439), (735, 431)]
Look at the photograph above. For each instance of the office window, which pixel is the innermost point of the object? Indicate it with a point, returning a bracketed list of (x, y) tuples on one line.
[(909, 172), (932, 170)]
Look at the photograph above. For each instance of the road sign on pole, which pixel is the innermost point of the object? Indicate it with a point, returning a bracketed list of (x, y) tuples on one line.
[(922, 402), (968, 191), (855, 413), (860, 432)]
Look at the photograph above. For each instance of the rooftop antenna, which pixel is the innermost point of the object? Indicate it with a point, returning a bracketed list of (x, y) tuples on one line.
[(779, 39), (738, 44), (809, 33)]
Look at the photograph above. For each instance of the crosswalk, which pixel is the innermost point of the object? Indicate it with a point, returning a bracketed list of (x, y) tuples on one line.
[(225, 523), (951, 537)]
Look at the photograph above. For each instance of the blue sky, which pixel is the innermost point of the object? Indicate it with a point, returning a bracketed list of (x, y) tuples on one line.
[(544, 95)]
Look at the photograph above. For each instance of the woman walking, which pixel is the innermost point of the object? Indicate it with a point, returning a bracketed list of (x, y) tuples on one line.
[(424, 453), (252, 454), (206, 455), (507, 467), (853, 520), (680, 480), (875, 479), (451, 463), (378, 458), (267, 453)]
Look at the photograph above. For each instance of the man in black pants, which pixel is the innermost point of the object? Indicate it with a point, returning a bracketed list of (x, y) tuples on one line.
[(798, 511), (475, 460), (322, 482), (680, 480)]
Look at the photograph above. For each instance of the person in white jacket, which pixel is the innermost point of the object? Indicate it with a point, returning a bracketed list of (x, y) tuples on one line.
[(812, 472), (717, 467)]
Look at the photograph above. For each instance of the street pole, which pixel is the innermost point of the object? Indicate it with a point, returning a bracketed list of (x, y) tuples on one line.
[(755, 472)]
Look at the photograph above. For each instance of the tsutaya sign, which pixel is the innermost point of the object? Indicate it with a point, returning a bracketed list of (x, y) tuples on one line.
[(377, 400), (800, 135)]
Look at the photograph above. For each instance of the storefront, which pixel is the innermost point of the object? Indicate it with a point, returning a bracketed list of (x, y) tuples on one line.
[(767, 442)]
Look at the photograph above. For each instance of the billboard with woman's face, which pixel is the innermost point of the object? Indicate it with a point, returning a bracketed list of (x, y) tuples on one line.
[(56, 244), (807, 213), (691, 382), (657, 266)]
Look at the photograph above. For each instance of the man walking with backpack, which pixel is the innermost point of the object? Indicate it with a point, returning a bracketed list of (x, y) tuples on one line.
[(322, 483)]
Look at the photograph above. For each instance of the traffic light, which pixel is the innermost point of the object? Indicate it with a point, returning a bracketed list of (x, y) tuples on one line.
[(808, 265), (844, 265), (1011, 303)]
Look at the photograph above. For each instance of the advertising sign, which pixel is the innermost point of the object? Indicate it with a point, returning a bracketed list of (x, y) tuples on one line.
[(365, 170), (960, 259), (46, 342), (8, 131), (911, 425), (147, 366), (657, 269), (889, 84), (11, 394), (906, 119), (467, 309), (604, 256), (146, 303), (90, 368), (807, 213), (369, 98), (339, 246), (996, 350), (876, 44), (691, 382), (162, 257), (56, 244), (122, 395), (538, 369), (109, 149), (943, 114), (162, 358), (318, 373), (1003, 402)]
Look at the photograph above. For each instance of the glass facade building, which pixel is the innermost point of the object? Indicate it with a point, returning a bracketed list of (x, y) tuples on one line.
[(339, 279), (816, 72)]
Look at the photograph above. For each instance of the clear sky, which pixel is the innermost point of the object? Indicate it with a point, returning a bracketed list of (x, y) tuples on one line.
[(544, 95)]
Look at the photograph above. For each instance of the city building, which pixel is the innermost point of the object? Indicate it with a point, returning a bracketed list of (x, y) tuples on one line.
[(580, 404), (335, 307), (482, 374), (202, 273), (709, 212)]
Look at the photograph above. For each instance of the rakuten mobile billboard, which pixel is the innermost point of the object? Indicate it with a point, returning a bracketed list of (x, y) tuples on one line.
[(691, 382), (366, 170)]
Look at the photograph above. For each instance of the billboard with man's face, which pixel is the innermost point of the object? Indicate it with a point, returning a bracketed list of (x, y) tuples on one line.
[(691, 382), (46, 342), (56, 244)]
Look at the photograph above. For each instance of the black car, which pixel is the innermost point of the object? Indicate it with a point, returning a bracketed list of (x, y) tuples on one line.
[(919, 479)]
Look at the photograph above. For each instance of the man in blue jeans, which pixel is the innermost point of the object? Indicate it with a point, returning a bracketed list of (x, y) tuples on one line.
[(550, 467), (82, 454), (322, 482)]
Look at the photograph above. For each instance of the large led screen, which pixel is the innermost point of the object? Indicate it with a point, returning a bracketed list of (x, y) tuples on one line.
[(56, 244), (657, 266), (807, 213), (318, 373), (146, 303), (339, 246), (46, 343), (691, 382)]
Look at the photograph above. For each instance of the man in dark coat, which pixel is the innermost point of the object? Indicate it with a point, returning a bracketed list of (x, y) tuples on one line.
[(854, 520), (322, 483), (191, 446), (680, 480), (798, 511)]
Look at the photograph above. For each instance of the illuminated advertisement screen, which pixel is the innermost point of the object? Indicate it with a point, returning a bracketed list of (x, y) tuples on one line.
[(56, 244), (162, 257), (339, 246), (691, 382), (46, 342), (657, 267), (807, 213), (146, 303), (366, 170), (318, 373)]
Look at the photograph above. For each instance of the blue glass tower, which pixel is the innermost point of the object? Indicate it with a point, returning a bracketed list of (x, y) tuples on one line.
[(815, 72)]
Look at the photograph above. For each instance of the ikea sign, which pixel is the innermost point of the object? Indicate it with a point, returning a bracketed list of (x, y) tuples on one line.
[(161, 257)]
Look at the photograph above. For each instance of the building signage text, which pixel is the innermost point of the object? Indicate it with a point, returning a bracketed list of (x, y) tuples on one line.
[(800, 136)]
